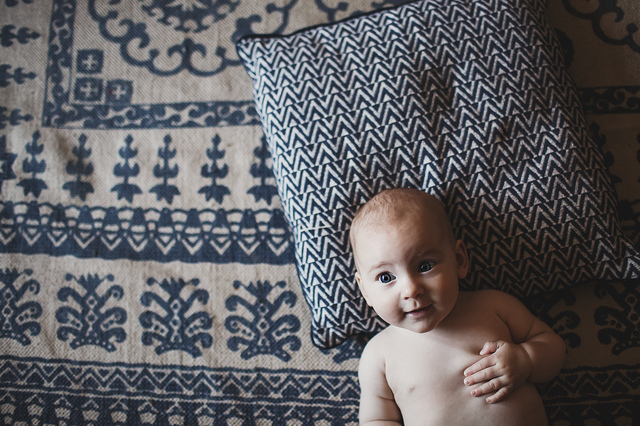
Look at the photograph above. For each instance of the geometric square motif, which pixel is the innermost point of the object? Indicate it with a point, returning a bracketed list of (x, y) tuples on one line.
[(118, 92), (90, 61), (88, 89)]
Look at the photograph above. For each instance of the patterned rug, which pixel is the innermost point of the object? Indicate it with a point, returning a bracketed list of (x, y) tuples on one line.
[(147, 271)]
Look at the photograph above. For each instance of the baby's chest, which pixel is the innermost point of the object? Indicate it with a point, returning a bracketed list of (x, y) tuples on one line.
[(439, 363), (439, 366), (432, 380)]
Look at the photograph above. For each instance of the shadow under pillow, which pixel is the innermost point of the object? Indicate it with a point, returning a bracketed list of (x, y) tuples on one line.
[(468, 100)]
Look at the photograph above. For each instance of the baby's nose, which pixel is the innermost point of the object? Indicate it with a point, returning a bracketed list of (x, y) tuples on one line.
[(411, 288)]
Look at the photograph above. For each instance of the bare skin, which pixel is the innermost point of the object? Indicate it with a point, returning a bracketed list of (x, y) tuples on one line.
[(418, 379), (447, 357)]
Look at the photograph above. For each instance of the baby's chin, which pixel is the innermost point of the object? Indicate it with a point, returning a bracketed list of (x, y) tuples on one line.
[(420, 327), (413, 330)]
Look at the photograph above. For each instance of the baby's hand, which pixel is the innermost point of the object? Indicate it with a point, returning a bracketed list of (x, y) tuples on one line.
[(505, 367)]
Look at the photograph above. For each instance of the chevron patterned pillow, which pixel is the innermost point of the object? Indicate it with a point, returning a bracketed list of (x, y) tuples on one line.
[(465, 99)]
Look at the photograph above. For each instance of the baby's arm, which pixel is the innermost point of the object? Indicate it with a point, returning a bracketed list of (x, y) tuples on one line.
[(377, 405), (535, 354)]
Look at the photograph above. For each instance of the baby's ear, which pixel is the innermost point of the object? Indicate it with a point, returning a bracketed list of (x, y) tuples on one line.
[(462, 258), (361, 287)]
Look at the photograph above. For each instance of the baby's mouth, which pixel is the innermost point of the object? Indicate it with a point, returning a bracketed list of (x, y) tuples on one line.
[(419, 311)]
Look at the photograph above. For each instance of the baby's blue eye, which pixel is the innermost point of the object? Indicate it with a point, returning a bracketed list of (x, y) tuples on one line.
[(426, 266), (386, 278)]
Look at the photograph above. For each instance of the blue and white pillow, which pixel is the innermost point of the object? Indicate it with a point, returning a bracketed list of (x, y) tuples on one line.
[(466, 99)]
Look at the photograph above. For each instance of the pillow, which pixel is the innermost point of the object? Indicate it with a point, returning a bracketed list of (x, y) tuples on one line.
[(465, 99)]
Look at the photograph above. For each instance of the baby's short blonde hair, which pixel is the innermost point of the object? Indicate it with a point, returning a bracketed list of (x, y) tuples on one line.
[(394, 204)]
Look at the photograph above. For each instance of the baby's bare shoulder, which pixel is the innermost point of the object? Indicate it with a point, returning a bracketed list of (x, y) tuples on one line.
[(381, 339), (381, 343), (374, 353)]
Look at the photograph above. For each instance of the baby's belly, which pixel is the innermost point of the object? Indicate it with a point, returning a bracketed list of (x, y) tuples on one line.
[(521, 408), (438, 396)]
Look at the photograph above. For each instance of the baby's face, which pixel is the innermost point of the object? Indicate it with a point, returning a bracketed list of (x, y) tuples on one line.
[(408, 271)]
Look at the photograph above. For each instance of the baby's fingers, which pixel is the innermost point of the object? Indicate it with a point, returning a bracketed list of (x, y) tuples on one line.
[(483, 376), (498, 396), (477, 367), (491, 346), (494, 386)]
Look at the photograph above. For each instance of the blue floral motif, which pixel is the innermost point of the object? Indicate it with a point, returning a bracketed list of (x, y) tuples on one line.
[(139, 49), (331, 11), (17, 318), (243, 25), (59, 60), (177, 328), (620, 323), (18, 76), (92, 323), (340, 10), (7, 35), (79, 169), (189, 53), (264, 334), (127, 171), (6, 162), (165, 172), (12, 3), (267, 189), (214, 172), (621, 34), (117, 112), (193, 16), (33, 166), (14, 118)]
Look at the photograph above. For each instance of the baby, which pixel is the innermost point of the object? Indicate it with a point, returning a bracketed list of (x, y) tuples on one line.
[(447, 357)]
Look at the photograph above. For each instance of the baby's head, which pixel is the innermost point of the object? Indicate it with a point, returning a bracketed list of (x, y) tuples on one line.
[(407, 259), (395, 205)]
